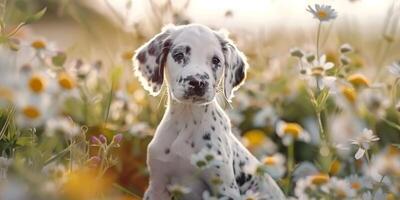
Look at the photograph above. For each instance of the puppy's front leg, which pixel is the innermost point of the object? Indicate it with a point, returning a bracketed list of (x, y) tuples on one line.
[(158, 182)]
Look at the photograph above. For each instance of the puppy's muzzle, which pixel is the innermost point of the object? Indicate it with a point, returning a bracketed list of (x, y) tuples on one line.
[(196, 87)]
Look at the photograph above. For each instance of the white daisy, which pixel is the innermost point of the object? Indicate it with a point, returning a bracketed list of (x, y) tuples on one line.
[(339, 189), (359, 183), (36, 82), (265, 117), (33, 110), (316, 73), (310, 187), (363, 142), (275, 165), (322, 12), (289, 132)]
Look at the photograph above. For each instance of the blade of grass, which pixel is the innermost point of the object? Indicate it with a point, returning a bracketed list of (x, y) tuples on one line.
[(392, 124), (123, 189), (58, 155)]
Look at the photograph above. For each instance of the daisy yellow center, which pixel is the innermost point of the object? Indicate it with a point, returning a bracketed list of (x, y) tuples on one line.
[(270, 160), (349, 93), (319, 179), (356, 185), (292, 129), (36, 83), (358, 80), (335, 167), (127, 55), (322, 14), (31, 112), (317, 71), (38, 44), (254, 138), (66, 81)]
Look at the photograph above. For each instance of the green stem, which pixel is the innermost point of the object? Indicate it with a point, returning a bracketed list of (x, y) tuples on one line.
[(290, 166), (318, 36), (321, 127), (15, 30), (109, 102), (367, 156)]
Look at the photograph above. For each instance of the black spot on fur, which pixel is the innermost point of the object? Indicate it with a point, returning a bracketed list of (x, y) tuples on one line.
[(241, 179), (239, 73), (167, 151), (154, 47), (207, 136), (141, 56)]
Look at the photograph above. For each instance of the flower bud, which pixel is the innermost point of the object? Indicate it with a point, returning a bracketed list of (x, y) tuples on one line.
[(310, 57), (345, 48), (296, 52), (344, 60), (103, 139), (118, 138), (95, 140)]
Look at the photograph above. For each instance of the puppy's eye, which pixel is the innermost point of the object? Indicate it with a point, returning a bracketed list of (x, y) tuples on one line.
[(178, 56), (216, 61)]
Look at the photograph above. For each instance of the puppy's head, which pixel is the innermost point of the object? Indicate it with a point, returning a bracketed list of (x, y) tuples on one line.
[(194, 60)]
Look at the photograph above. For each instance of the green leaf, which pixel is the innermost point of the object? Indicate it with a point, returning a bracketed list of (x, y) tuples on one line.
[(35, 17), (26, 141), (59, 59)]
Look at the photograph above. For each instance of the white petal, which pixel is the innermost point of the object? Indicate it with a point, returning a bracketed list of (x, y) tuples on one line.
[(328, 65), (359, 153)]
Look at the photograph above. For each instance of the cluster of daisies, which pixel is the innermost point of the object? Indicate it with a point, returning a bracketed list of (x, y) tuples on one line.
[(35, 85)]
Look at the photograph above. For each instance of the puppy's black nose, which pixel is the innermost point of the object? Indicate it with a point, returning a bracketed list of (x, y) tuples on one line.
[(197, 87)]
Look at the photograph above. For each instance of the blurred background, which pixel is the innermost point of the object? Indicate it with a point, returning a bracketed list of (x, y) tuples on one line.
[(99, 38)]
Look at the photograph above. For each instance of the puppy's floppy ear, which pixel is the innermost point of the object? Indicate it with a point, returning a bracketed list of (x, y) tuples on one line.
[(150, 59), (235, 65)]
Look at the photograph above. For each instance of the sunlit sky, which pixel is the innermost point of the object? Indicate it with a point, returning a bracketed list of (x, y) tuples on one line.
[(264, 13)]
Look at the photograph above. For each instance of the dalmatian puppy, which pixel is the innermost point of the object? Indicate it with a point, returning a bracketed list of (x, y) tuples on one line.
[(196, 63)]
